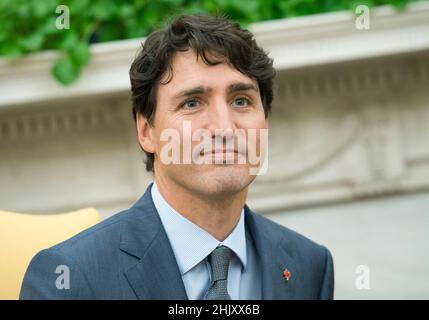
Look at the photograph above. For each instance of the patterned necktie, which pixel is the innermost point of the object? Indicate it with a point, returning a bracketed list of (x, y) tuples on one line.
[(219, 262)]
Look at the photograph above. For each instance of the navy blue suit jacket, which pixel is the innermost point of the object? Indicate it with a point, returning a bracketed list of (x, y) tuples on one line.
[(128, 256)]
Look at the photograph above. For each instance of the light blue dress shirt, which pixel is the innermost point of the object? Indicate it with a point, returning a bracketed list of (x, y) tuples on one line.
[(191, 246)]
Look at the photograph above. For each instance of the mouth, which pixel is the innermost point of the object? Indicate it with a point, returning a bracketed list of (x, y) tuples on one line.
[(221, 156), (219, 152)]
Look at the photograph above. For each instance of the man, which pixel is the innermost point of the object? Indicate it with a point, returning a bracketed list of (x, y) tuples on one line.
[(191, 236)]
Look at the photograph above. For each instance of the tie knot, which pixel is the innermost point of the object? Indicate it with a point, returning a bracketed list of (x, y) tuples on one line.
[(219, 261)]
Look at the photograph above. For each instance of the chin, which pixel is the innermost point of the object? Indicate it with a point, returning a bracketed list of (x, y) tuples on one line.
[(224, 179)]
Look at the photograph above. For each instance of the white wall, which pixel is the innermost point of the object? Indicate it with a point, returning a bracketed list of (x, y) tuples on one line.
[(389, 235)]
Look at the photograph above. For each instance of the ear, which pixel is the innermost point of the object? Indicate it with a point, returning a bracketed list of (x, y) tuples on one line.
[(145, 134)]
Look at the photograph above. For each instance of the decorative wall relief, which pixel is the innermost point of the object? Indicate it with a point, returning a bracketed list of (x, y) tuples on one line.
[(347, 131)]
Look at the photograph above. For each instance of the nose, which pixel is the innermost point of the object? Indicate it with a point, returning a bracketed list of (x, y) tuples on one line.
[(221, 119)]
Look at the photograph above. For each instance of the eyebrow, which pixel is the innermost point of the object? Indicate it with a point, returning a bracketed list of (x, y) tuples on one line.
[(233, 87), (193, 91), (242, 86)]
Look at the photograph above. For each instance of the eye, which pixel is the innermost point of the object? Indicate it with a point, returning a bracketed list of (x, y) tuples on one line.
[(242, 102), (191, 104)]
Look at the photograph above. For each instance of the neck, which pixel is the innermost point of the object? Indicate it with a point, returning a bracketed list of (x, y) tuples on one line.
[(218, 215)]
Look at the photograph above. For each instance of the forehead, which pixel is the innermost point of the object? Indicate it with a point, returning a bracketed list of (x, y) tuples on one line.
[(189, 70)]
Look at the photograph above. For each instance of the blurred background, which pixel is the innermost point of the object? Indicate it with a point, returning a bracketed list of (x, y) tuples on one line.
[(349, 135)]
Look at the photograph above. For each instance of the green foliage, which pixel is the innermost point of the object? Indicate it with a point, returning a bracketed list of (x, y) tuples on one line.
[(28, 26)]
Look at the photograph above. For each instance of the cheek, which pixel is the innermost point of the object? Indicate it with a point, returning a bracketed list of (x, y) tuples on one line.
[(169, 136), (254, 122), (257, 134)]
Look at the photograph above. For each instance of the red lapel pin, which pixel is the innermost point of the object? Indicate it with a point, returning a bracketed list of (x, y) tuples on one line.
[(287, 274)]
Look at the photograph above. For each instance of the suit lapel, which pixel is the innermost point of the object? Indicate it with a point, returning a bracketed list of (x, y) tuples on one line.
[(156, 274), (152, 271), (271, 248)]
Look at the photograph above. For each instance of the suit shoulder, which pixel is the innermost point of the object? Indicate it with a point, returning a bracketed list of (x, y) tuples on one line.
[(83, 256), (103, 233)]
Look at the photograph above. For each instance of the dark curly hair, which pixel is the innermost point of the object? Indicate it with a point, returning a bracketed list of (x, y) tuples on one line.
[(214, 39)]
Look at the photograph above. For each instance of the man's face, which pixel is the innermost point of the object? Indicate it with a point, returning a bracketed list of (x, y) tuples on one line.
[(212, 99)]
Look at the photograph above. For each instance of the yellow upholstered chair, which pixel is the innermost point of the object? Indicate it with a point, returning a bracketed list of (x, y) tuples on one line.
[(23, 235)]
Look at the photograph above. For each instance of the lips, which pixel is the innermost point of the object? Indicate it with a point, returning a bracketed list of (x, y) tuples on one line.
[(219, 152)]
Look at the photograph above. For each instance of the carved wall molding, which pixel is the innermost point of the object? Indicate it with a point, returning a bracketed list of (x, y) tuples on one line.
[(57, 159), (354, 77), (37, 124), (348, 139)]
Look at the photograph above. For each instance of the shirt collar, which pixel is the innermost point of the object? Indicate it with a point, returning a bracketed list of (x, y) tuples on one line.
[(184, 235)]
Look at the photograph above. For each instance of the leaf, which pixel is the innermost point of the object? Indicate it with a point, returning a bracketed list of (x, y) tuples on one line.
[(10, 51), (126, 11), (68, 40), (65, 71), (33, 42), (109, 32), (103, 10), (177, 3), (50, 26), (400, 4), (42, 8), (79, 6), (80, 54)]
